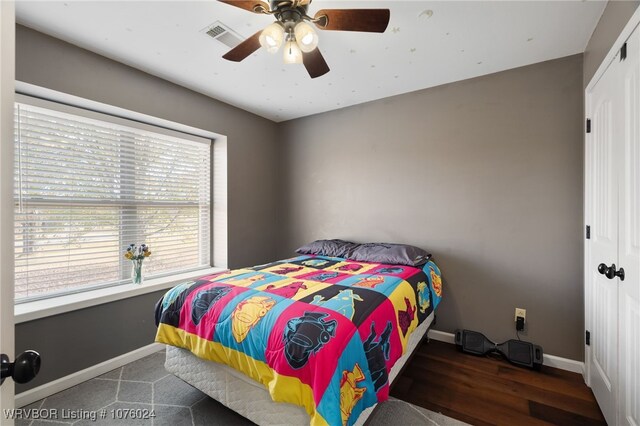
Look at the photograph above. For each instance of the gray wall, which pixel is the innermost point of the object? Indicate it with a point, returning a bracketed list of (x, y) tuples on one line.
[(79, 339), (252, 209), (485, 173), (613, 19)]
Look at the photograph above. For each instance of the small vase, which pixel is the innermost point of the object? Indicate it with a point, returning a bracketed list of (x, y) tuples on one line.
[(136, 272)]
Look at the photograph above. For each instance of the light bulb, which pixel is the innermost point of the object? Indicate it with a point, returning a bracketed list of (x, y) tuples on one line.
[(271, 37), (306, 36), (292, 53)]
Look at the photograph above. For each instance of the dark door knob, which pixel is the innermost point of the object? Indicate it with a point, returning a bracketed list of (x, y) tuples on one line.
[(23, 370), (602, 268), (610, 271)]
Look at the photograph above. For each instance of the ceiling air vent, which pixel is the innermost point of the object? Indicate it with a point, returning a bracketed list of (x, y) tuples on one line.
[(223, 34)]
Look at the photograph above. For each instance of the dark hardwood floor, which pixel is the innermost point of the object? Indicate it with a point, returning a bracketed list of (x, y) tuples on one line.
[(490, 391)]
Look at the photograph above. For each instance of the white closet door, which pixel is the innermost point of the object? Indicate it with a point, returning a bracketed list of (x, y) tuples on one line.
[(7, 82), (603, 169), (629, 250)]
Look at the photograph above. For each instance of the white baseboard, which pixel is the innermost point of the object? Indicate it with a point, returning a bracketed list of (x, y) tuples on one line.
[(442, 336), (549, 360), (58, 385), (564, 364)]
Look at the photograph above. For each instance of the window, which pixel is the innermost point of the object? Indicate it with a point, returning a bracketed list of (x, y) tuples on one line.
[(87, 187)]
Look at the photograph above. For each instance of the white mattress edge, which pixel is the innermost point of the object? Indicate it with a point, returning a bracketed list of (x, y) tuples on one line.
[(219, 381)]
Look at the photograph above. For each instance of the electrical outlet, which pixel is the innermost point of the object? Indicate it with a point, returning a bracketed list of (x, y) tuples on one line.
[(521, 313)]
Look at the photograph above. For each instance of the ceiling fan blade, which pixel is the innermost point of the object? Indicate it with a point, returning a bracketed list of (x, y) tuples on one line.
[(244, 49), (367, 20), (314, 63), (255, 6)]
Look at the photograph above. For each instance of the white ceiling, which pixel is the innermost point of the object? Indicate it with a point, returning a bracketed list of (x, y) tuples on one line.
[(420, 49)]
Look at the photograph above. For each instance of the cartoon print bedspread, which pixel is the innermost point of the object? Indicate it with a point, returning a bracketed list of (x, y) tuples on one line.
[(316, 331)]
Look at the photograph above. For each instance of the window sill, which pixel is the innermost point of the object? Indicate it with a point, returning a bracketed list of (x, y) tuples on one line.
[(30, 311)]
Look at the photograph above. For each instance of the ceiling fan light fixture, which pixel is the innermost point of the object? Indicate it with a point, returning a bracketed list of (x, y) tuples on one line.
[(306, 37), (272, 37), (295, 28), (292, 53)]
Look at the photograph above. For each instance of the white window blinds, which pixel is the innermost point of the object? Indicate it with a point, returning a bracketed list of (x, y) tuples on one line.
[(85, 189)]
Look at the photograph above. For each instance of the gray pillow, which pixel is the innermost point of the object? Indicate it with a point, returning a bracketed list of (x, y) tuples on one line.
[(396, 254), (332, 248)]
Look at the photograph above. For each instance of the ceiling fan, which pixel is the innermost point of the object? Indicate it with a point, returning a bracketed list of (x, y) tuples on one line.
[(293, 29)]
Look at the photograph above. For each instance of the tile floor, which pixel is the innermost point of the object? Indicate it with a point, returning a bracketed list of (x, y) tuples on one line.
[(144, 385)]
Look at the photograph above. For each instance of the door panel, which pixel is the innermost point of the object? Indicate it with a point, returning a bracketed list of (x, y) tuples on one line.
[(630, 366), (7, 82), (629, 403), (602, 180)]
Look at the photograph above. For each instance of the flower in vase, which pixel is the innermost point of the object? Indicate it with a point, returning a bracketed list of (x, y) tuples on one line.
[(134, 252), (136, 255)]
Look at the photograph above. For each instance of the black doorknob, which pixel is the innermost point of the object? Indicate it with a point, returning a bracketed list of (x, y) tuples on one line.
[(610, 271), (23, 370), (602, 268)]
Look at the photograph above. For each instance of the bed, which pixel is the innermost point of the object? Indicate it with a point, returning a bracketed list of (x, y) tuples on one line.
[(308, 340)]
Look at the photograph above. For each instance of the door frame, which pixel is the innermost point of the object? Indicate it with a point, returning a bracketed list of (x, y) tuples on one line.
[(634, 21), (587, 247), (7, 91)]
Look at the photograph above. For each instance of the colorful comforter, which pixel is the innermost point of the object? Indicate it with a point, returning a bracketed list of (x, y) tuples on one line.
[(319, 332)]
